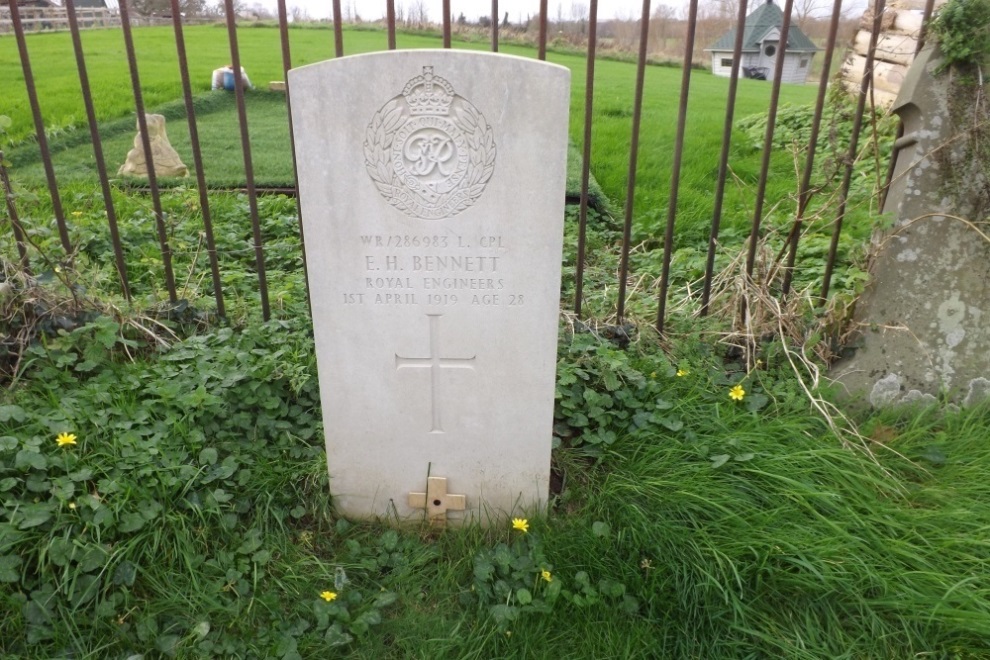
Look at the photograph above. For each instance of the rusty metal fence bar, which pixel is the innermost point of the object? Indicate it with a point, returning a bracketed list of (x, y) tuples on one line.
[(39, 127), (390, 23), (675, 174), (142, 119), (338, 30), (204, 201), (259, 249), (723, 161), (494, 26), (541, 49), (754, 235), (805, 192), (446, 23), (644, 35), (94, 132), (864, 88), (283, 33), (589, 100)]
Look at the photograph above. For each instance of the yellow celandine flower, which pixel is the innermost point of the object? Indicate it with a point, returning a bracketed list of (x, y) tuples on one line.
[(737, 393), (521, 524), (64, 439), (328, 596), (681, 373), (546, 575)]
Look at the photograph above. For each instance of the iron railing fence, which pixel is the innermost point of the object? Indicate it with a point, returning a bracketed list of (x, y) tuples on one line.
[(791, 246)]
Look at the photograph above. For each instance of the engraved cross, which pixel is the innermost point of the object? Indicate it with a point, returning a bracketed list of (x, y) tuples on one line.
[(434, 363)]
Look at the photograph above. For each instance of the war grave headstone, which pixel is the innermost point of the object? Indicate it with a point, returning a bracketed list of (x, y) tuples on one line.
[(924, 320), (432, 188)]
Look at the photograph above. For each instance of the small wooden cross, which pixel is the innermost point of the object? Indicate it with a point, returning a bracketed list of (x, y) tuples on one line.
[(437, 501)]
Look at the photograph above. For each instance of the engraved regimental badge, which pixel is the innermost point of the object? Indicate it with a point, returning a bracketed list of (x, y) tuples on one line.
[(429, 151)]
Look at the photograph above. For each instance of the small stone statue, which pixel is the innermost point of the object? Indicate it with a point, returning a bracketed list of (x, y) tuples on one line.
[(164, 157)]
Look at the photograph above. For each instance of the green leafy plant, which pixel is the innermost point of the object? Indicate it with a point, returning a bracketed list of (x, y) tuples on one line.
[(347, 612), (513, 579), (962, 30), (603, 393)]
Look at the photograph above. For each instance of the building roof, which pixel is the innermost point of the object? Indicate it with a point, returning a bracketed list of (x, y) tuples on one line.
[(765, 18)]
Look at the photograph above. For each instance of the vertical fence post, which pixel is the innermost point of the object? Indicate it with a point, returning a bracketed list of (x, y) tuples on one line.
[(675, 174), (865, 85), (204, 200), (338, 30), (390, 14), (542, 47), (761, 188), (39, 128), (283, 25), (644, 33), (805, 192), (94, 133), (259, 249), (494, 26), (142, 119), (723, 162), (446, 23), (589, 98)]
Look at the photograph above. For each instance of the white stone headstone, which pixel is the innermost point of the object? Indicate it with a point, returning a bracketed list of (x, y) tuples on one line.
[(431, 185)]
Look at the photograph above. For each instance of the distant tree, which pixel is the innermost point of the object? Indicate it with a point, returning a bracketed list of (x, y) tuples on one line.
[(419, 13), (298, 14), (164, 7), (661, 25), (461, 20), (505, 20)]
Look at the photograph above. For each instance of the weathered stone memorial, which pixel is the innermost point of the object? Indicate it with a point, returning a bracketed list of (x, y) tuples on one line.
[(431, 189), (166, 160), (924, 321)]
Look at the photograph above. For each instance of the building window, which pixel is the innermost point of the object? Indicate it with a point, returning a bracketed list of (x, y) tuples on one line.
[(770, 51), (727, 62), (804, 62)]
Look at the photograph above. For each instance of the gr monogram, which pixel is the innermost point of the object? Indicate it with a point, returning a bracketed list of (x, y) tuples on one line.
[(429, 152)]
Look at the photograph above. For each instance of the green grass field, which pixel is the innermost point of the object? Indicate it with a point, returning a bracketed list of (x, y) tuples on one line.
[(189, 514), (261, 56)]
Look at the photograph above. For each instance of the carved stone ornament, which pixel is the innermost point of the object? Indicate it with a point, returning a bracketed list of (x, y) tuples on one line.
[(429, 151)]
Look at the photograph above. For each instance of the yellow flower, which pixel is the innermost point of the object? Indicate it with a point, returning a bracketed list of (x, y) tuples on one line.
[(328, 596), (77, 214), (737, 393), (64, 439), (545, 574), (72, 505), (521, 524), (682, 372)]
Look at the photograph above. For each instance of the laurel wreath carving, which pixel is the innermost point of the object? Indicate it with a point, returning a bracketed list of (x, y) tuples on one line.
[(381, 133)]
